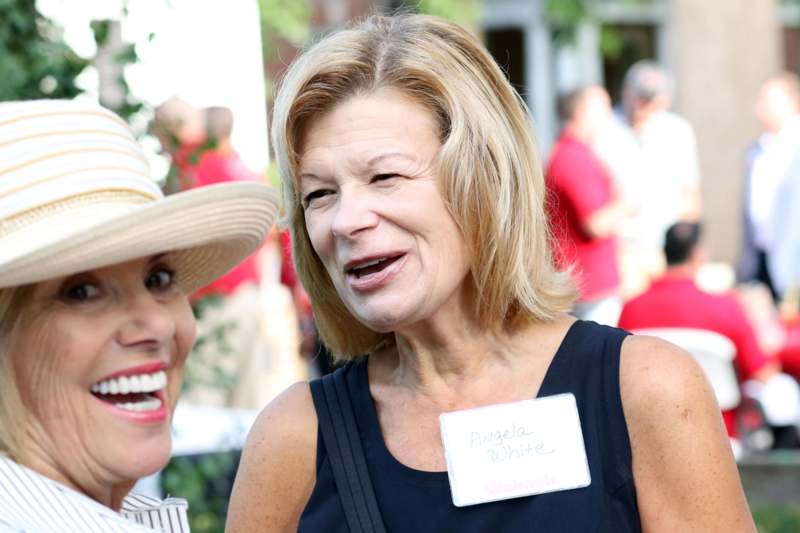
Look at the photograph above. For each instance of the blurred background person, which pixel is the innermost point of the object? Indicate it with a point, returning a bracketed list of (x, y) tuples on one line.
[(220, 162), (311, 346), (181, 130), (779, 168), (675, 301), (247, 316), (770, 165), (584, 207), (668, 148), (652, 153)]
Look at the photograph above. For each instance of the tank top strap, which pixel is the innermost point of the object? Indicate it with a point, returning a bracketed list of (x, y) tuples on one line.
[(588, 365), (356, 384)]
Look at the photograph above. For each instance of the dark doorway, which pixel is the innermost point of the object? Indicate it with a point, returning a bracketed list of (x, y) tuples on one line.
[(624, 45), (507, 46)]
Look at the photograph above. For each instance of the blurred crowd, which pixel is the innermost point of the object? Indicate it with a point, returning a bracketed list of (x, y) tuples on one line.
[(255, 333), (625, 206)]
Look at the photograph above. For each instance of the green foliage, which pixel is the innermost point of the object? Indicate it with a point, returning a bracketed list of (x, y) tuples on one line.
[(205, 481), (202, 370), (34, 60), (464, 12), (611, 42), (283, 21), (564, 16), (777, 518), (125, 56)]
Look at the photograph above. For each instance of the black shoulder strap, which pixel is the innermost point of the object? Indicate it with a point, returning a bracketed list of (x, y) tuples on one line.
[(339, 432)]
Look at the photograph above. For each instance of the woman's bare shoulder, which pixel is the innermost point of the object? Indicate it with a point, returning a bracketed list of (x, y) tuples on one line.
[(278, 467), (652, 369), (685, 475), (663, 389), (290, 415)]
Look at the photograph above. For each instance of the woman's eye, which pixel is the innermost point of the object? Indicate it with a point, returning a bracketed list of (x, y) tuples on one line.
[(161, 278), (80, 292), (314, 195), (383, 177)]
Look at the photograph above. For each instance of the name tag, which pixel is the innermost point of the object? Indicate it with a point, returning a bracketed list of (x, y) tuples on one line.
[(515, 449)]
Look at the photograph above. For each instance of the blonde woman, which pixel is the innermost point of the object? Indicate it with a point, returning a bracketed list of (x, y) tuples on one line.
[(95, 323), (415, 198)]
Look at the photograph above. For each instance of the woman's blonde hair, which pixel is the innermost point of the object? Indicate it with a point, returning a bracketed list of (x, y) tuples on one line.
[(491, 174), (12, 314)]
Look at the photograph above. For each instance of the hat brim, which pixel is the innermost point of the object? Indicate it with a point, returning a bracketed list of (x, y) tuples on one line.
[(209, 230)]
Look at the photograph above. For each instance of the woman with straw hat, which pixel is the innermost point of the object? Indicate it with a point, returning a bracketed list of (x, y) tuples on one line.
[(95, 325)]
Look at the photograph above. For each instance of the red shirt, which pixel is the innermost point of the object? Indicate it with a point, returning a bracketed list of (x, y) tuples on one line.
[(789, 355), (674, 301), (578, 185), (213, 168)]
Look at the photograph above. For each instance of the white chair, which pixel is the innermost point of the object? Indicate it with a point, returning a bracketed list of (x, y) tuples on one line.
[(714, 353)]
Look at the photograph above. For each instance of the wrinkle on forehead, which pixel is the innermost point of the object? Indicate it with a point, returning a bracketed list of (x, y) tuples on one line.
[(364, 131)]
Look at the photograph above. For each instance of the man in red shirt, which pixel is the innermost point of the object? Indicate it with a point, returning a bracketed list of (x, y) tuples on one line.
[(251, 331), (219, 164), (583, 207), (674, 300)]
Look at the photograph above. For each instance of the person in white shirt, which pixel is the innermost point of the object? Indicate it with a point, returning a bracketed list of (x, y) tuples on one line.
[(95, 324), (767, 255), (652, 154)]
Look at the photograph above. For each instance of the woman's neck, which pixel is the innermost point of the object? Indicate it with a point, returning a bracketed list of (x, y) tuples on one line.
[(108, 494), (448, 358)]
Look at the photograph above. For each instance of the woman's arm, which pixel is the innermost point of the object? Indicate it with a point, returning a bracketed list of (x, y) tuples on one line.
[(278, 468), (686, 477)]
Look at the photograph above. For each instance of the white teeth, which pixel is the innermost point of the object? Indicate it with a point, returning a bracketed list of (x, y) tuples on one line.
[(150, 404), (128, 384), (369, 263)]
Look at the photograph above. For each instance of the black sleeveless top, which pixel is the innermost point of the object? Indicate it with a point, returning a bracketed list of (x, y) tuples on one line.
[(587, 365)]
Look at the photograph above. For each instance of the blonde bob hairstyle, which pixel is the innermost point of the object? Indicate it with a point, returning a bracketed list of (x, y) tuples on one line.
[(491, 178)]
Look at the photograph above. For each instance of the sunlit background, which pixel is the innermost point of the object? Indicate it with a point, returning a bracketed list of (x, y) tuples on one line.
[(135, 55)]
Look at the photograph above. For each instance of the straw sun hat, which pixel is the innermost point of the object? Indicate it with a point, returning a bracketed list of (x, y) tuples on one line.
[(75, 194)]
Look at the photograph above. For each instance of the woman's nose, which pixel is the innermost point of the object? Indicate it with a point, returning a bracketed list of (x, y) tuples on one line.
[(355, 212), (148, 323)]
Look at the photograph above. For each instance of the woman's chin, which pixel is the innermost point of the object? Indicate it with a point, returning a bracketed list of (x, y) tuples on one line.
[(381, 324), (144, 460)]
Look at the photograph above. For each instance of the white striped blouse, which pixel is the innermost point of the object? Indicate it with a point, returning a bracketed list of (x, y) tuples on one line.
[(33, 503)]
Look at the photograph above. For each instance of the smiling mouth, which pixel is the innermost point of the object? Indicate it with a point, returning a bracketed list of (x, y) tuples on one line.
[(136, 393), (371, 267)]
